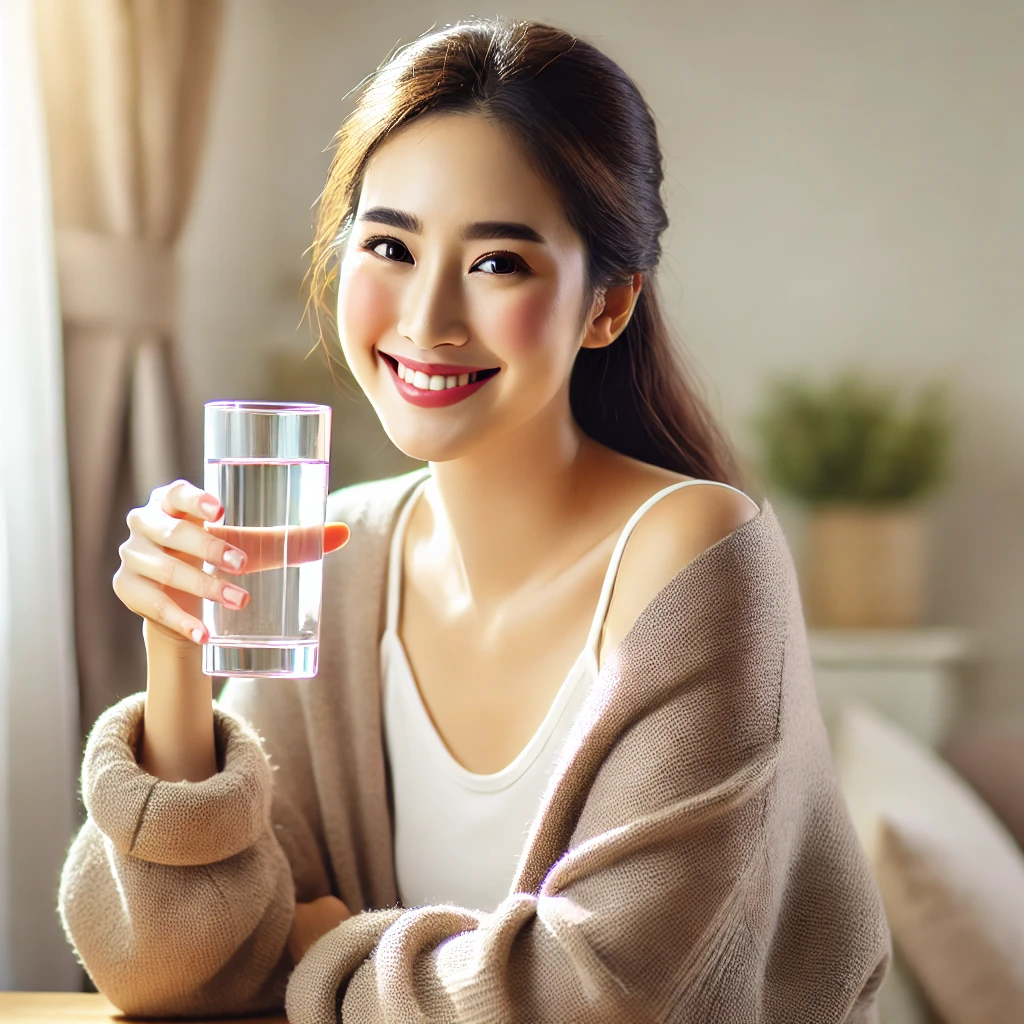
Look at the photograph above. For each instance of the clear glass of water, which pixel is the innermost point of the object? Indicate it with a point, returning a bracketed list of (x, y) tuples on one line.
[(267, 463)]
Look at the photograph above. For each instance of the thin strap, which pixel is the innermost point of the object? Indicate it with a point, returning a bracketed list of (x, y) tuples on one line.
[(395, 558), (613, 565), (395, 555)]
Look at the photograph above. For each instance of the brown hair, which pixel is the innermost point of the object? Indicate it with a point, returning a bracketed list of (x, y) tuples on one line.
[(586, 129)]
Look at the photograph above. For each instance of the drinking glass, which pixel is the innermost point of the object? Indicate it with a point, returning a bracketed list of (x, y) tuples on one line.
[(267, 463)]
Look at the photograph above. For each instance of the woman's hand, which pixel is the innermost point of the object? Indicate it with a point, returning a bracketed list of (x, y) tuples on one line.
[(313, 920), (162, 578)]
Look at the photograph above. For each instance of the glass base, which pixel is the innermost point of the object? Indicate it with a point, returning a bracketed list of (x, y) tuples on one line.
[(297, 662)]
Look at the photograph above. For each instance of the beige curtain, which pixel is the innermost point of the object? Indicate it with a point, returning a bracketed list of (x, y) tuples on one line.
[(126, 87)]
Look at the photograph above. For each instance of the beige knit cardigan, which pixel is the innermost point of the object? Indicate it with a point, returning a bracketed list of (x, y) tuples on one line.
[(692, 859)]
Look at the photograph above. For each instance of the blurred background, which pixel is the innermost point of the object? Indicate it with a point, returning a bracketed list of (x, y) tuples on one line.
[(843, 183)]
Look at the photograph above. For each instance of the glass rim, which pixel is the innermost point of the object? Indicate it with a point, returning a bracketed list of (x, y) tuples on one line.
[(274, 407)]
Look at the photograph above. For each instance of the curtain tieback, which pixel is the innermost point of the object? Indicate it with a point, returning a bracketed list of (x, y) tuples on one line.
[(122, 282)]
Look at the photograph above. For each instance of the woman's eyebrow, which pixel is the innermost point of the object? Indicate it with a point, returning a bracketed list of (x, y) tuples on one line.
[(471, 232)]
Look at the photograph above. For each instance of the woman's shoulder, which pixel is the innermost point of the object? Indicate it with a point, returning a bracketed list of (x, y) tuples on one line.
[(677, 530), (679, 524), (684, 523)]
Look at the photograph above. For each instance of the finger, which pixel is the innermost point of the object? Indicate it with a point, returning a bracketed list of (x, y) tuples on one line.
[(183, 497), (147, 599), (335, 536), (272, 547), (183, 536), (154, 563)]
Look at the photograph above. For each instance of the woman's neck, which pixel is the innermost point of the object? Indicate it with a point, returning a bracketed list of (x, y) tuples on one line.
[(498, 516)]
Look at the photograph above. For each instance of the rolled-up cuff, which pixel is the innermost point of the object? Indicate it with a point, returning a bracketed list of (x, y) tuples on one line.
[(179, 823)]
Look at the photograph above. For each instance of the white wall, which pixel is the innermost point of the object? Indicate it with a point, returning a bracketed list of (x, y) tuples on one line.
[(843, 182)]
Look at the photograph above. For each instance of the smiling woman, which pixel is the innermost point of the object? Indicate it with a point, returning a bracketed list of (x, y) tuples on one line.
[(563, 759), (569, 177), (439, 284)]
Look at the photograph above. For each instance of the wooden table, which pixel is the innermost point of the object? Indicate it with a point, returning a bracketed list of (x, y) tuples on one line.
[(83, 1008)]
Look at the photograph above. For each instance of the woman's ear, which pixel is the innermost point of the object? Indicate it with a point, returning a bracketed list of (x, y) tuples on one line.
[(610, 313)]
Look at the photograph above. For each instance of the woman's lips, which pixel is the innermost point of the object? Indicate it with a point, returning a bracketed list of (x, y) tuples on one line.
[(433, 399), (430, 369)]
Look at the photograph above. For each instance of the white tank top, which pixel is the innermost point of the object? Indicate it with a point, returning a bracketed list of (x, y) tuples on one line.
[(458, 834)]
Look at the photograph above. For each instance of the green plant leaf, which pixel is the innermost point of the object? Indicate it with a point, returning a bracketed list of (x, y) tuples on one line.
[(852, 441)]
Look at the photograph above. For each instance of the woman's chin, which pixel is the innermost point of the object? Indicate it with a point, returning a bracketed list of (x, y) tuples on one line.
[(427, 449)]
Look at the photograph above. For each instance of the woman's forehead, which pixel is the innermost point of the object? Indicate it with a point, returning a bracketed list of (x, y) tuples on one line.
[(452, 169)]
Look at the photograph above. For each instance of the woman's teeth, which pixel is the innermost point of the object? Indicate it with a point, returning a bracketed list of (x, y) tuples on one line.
[(437, 382)]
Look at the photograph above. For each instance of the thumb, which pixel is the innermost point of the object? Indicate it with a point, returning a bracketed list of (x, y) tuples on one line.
[(270, 547), (335, 536)]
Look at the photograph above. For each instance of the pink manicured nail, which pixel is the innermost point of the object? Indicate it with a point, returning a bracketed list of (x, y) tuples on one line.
[(234, 596), (234, 559)]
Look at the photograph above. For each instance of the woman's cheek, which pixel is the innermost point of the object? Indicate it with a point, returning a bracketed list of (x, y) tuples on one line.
[(521, 327), (366, 310)]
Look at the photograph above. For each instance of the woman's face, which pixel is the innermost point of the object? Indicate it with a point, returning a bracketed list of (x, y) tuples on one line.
[(460, 261)]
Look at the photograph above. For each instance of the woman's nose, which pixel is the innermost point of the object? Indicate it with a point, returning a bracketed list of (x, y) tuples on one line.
[(432, 309)]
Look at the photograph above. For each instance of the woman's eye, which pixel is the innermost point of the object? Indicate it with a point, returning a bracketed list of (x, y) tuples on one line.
[(499, 263), (390, 249)]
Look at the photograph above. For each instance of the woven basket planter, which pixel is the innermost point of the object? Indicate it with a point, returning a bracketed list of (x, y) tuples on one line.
[(865, 566)]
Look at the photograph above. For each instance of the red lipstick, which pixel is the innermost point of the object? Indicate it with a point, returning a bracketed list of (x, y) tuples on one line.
[(434, 399)]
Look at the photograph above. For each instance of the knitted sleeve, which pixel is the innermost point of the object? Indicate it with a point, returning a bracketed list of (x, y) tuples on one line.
[(178, 897)]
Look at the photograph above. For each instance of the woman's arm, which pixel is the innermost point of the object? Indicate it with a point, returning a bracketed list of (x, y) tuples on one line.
[(312, 921), (179, 898), (177, 734)]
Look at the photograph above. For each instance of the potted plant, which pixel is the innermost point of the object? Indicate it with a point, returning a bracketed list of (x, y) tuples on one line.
[(863, 465)]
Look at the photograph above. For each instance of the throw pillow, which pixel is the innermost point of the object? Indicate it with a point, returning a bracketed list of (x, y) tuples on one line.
[(951, 875)]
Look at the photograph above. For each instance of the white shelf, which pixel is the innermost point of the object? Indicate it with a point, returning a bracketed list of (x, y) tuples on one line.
[(934, 645), (913, 677)]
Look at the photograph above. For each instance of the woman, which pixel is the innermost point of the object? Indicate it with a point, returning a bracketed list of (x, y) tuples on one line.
[(542, 775)]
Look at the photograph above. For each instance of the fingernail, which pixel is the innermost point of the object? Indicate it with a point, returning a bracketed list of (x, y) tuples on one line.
[(234, 596), (210, 508), (335, 536), (197, 634), (233, 559)]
